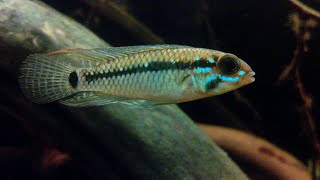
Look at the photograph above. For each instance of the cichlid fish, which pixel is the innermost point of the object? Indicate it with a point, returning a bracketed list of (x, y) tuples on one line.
[(141, 75)]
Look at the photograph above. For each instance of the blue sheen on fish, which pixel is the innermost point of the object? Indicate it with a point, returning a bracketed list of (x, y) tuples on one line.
[(134, 75)]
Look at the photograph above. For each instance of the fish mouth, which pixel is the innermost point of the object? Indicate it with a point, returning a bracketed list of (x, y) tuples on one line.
[(250, 77)]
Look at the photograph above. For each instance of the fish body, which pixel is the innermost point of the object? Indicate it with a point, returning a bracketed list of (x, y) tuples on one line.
[(154, 74)]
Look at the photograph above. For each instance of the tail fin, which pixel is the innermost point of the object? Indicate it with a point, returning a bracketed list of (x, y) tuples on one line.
[(44, 80)]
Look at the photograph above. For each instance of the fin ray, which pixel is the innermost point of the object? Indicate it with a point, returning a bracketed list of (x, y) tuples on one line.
[(91, 57), (43, 80), (87, 99)]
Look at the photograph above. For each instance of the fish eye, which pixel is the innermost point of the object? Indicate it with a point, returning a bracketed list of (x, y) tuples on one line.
[(229, 65)]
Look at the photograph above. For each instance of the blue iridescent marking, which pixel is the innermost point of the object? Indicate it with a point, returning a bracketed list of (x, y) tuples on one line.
[(228, 79), (196, 58), (211, 60), (192, 77), (203, 70), (210, 78), (201, 81), (241, 73)]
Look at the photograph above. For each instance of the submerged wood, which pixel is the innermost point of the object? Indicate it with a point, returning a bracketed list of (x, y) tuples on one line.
[(260, 153), (116, 13), (162, 143)]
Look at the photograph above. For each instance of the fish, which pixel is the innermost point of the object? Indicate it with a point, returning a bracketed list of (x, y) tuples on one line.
[(144, 75)]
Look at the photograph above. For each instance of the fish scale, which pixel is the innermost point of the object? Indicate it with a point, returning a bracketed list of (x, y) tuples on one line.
[(141, 62), (157, 74)]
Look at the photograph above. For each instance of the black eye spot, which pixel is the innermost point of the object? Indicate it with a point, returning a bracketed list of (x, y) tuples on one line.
[(73, 79), (229, 65)]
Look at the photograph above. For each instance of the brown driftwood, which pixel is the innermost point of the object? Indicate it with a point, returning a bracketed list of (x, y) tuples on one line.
[(262, 154), (116, 13)]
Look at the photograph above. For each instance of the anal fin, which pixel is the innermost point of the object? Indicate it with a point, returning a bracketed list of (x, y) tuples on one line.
[(87, 99)]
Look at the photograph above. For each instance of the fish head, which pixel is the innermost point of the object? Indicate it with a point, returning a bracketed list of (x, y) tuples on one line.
[(228, 73)]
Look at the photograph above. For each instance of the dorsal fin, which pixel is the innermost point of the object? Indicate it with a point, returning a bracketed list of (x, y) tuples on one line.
[(91, 57)]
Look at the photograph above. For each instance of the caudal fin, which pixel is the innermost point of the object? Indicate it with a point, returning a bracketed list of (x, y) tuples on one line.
[(44, 80)]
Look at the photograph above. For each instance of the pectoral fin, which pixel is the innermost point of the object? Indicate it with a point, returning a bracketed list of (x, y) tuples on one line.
[(143, 103)]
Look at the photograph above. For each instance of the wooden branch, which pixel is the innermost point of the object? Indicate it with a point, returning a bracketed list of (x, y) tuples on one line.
[(305, 8), (22, 24), (262, 154), (119, 15), (148, 144)]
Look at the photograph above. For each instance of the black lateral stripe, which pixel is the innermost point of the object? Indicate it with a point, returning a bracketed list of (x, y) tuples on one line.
[(152, 66), (73, 79)]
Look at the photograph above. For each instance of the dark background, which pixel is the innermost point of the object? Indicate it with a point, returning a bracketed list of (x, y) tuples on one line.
[(257, 31)]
